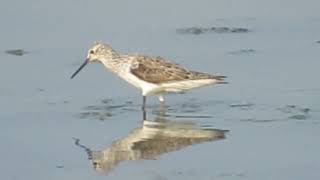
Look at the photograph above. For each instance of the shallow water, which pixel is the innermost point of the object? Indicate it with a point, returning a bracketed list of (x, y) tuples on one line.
[(270, 106)]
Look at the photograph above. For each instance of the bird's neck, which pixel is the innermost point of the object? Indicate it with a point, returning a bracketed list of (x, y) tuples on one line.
[(112, 63)]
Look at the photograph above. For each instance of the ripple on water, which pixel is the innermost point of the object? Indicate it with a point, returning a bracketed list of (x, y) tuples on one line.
[(270, 113), (195, 109), (107, 108)]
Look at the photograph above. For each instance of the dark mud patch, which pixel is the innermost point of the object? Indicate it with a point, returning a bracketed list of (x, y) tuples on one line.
[(242, 105), (95, 115), (242, 51), (204, 30), (40, 89), (229, 175), (258, 120), (190, 116), (17, 52), (59, 166), (295, 112)]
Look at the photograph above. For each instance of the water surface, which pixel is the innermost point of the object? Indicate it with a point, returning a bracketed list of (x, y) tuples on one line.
[(270, 106)]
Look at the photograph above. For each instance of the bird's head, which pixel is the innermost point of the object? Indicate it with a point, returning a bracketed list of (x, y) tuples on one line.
[(97, 52)]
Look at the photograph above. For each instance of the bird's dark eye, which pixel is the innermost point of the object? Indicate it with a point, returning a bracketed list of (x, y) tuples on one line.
[(91, 52)]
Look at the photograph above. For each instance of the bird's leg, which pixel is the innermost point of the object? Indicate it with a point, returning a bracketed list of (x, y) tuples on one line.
[(144, 99), (144, 115), (161, 98), (162, 106)]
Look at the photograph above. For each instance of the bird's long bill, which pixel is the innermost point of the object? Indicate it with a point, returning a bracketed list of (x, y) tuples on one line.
[(81, 67)]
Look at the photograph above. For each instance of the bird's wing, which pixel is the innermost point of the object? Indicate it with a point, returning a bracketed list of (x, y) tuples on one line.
[(158, 70)]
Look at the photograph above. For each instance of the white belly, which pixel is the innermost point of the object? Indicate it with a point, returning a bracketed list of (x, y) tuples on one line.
[(147, 88), (161, 88), (186, 85)]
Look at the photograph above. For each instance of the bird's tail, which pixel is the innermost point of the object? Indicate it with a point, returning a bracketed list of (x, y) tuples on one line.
[(221, 79)]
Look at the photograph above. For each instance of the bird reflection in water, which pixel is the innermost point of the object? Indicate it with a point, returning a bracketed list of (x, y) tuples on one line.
[(150, 140)]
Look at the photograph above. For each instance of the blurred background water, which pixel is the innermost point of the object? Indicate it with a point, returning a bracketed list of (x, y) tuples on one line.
[(270, 106)]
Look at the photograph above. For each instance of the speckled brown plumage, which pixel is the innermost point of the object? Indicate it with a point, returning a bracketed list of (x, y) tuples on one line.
[(157, 70)]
